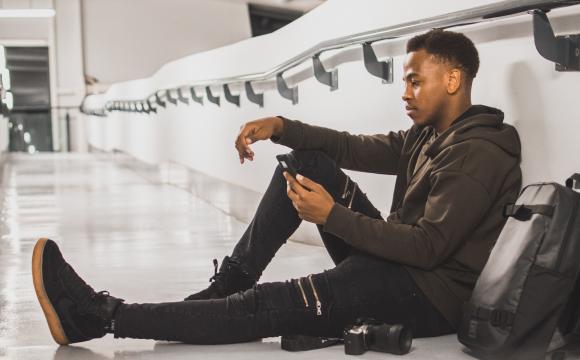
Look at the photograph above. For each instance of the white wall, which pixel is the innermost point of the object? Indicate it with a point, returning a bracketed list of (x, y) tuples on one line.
[(69, 73), (513, 77), (132, 39), (12, 30)]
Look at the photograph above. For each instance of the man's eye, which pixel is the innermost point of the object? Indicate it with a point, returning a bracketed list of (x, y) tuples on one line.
[(415, 82)]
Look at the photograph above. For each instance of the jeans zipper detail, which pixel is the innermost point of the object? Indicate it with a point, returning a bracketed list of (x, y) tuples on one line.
[(302, 291), (352, 196), (344, 192), (318, 303)]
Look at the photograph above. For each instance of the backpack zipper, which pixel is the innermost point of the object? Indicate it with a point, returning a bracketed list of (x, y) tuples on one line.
[(318, 303), (567, 235), (302, 291)]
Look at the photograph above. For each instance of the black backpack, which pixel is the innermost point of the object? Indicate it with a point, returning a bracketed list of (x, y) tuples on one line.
[(526, 300)]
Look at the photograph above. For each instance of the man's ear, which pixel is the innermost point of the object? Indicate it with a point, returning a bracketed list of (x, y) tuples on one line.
[(453, 80)]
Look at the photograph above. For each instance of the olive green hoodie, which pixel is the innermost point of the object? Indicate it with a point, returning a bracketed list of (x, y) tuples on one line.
[(446, 212)]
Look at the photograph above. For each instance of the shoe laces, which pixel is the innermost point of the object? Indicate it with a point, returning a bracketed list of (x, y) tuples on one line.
[(83, 294), (216, 275)]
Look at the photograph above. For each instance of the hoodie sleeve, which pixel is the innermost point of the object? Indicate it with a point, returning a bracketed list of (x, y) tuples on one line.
[(378, 153), (456, 204)]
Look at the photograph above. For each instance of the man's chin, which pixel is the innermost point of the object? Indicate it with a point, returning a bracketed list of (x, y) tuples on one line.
[(417, 121)]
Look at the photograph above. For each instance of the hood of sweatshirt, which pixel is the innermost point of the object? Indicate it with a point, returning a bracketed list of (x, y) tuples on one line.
[(486, 124)]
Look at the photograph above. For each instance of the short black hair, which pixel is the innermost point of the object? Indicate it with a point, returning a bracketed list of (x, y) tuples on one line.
[(452, 47)]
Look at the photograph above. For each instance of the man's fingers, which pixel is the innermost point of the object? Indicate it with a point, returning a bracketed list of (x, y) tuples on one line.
[(244, 150), (291, 194), (307, 183), (249, 149), (298, 188), (295, 185)]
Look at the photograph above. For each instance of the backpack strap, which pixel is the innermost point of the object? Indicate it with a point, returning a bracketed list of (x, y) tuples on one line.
[(524, 212), (573, 182)]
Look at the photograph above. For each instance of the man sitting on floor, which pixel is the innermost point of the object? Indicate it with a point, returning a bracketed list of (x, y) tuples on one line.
[(456, 167)]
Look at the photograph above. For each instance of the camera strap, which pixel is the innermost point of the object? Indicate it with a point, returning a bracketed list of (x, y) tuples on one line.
[(304, 342)]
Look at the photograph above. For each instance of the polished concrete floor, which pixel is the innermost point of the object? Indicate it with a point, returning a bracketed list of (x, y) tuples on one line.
[(142, 241)]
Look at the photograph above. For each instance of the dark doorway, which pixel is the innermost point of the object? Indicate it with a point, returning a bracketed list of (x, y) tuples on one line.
[(266, 19), (30, 120)]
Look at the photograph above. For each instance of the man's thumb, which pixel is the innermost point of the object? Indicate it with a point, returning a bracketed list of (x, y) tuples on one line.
[(306, 182)]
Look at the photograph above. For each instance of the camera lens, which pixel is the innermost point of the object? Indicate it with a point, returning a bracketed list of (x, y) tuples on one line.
[(394, 339), (400, 339)]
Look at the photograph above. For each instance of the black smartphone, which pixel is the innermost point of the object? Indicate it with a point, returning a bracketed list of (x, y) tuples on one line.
[(289, 163)]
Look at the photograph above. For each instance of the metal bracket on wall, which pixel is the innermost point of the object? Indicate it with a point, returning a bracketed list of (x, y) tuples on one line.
[(563, 50), (144, 107), (158, 100), (182, 98), (211, 98), (382, 69), (198, 99), (329, 78), (252, 96), (170, 98), (285, 91), (234, 99), (151, 108)]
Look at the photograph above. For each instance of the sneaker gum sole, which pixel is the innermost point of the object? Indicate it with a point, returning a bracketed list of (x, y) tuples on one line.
[(52, 318)]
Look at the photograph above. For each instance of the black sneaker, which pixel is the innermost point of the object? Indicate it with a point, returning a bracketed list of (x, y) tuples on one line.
[(73, 310), (230, 279)]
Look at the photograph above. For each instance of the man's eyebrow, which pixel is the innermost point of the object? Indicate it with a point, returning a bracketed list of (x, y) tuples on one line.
[(410, 75)]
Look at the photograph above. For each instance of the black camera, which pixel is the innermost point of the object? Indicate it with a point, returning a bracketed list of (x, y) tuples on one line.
[(369, 334)]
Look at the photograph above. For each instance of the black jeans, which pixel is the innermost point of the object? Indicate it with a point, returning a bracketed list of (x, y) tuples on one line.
[(361, 285)]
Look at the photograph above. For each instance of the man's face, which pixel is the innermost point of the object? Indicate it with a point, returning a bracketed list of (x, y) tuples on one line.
[(425, 93)]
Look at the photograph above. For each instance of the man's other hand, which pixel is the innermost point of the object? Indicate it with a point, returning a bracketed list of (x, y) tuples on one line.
[(309, 198), (250, 132)]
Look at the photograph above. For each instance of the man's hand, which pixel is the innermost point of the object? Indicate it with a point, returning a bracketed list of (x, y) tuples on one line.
[(250, 132), (310, 199)]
